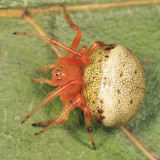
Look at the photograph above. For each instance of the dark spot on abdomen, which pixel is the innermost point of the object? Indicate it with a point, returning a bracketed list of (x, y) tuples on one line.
[(109, 47), (121, 74), (119, 92), (100, 110), (99, 119), (107, 56)]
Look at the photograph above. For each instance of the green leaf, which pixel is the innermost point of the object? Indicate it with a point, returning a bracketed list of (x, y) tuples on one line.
[(135, 27), (37, 3)]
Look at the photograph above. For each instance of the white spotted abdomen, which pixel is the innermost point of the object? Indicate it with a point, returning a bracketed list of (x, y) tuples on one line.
[(114, 85)]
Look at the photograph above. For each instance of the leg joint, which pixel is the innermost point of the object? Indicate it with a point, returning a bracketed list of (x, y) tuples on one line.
[(89, 129)]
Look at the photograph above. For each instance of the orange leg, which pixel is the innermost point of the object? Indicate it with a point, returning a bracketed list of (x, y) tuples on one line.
[(46, 123), (46, 68), (76, 102), (68, 97), (83, 49), (82, 56), (72, 61), (78, 36), (93, 47), (58, 91), (88, 122), (42, 80)]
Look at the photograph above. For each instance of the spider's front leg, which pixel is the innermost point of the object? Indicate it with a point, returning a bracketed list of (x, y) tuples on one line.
[(79, 34), (46, 68), (62, 89), (93, 47), (43, 80)]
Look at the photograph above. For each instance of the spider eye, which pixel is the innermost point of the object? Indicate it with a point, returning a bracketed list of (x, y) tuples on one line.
[(57, 74)]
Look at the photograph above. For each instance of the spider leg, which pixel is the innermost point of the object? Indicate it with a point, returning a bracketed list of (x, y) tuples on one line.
[(72, 61), (78, 36), (88, 122), (83, 49), (46, 123), (42, 80), (82, 56), (46, 68), (76, 102), (58, 91), (93, 47)]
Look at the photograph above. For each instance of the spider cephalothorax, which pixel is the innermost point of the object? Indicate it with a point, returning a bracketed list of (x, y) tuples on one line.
[(65, 73)]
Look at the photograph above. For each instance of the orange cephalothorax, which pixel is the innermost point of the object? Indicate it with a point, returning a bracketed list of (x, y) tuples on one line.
[(65, 73)]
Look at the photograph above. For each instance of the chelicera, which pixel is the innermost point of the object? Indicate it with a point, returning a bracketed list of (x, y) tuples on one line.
[(106, 81)]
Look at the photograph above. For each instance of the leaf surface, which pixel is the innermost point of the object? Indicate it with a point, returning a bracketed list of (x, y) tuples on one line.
[(136, 27)]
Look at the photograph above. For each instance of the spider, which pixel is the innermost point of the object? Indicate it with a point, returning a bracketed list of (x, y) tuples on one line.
[(106, 81)]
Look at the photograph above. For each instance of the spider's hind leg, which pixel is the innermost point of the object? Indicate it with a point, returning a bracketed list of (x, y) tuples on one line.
[(47, 123), (85, 108), (62, 117)]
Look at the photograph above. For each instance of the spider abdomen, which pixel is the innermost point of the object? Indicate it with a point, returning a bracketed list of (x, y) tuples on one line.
[(114, 85)]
